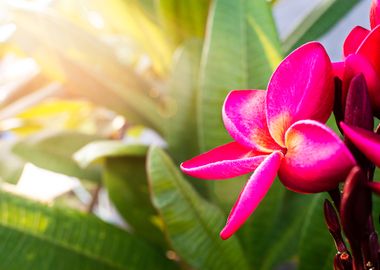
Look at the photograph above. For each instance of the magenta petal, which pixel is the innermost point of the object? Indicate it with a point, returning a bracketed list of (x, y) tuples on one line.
[(366, 141), (317, 160), (302, 87), (252, 194), (356, 64), (223, 162), (370, 48), (245, 120), (354, 39), (374, 14), (338, 69)]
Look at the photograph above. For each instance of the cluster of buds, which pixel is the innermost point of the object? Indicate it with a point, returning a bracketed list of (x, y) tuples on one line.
[(357, 102)]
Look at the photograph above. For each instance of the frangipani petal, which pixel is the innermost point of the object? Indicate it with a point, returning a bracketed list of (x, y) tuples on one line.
[(302, 87), (374, 14), (245, 119), (252, 194), (316, 160), (356, 64), (223, 162), (366, 141), (370, 48), (338, 69), (354, 39)]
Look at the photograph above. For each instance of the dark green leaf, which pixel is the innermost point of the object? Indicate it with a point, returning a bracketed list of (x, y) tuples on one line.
[(318, 22), (241, 50), (192, 223), (257, 233), (54, 151), (283, 241), (317, 247), (36, 236), (126, 181)]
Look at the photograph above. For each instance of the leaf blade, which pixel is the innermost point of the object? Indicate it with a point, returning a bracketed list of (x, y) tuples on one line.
[(41, 237), (244, 60), (192, 224)]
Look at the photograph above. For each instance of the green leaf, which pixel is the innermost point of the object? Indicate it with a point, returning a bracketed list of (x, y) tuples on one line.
[(181, 127), (127, 185), (54, 151), (317, 247), (318, 22), (95, 151), (257, 232), (36, 236), (283, 241), (124, 176), (183, 19), (192, 223), (241, 50), (183, 87)]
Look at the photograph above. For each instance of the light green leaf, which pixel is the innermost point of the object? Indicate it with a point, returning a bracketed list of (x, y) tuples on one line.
[(183, 19), (53, 151), (36, 236), (124, 176), (241, 50), (317, 247), (318, 22), (181, 127), (183, 88), (192, 224), (126, 182), (97, 150)]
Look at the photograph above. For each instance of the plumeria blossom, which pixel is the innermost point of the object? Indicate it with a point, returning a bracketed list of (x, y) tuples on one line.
[(361, 52), (279, 131)]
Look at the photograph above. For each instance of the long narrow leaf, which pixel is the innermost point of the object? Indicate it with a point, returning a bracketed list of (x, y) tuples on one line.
[(35, 236), (318, 22), (317, 247), (192, 224), (241, 50)]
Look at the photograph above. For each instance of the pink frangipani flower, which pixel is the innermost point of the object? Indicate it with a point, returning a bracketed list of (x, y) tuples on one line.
[(279, 131)]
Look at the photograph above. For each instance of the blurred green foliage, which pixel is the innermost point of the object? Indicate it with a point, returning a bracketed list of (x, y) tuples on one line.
[(102, 67)]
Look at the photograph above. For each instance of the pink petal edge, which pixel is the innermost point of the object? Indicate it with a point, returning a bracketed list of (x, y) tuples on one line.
[(354, 39), (245, 120), (223, 162), (374, 14), (316, 160), (253, 192), (366, 141), (370, 48), (302, 87), (356, 64)]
